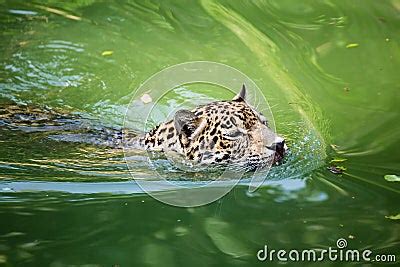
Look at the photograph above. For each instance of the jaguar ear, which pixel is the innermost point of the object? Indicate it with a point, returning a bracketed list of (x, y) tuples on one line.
[(242, 94), (188, 124)]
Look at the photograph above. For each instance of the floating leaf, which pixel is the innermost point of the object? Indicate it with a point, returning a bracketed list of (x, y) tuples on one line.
[(352, 45), (337, 160), (107, 53), (393, 217), (392, 178), (146, 98)]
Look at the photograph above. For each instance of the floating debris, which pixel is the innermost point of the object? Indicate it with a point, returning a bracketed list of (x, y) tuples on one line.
[(337, 169), (337, 160), (146, 98), (393, 217), (107, 53), (392, 178), (59, 12), (353, 45)]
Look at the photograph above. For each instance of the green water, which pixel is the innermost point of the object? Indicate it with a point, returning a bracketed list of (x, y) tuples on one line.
[(69, 203)]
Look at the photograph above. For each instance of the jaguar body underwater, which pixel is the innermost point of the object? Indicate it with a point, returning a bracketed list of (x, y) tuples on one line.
[(226, 132)]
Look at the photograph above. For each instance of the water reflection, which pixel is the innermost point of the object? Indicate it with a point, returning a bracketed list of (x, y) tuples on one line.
[(236, 227)]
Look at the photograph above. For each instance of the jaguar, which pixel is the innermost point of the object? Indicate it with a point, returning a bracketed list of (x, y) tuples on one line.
[(221, 132)]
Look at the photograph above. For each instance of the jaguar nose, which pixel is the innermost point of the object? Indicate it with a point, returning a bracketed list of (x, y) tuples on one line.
[(279, 146)]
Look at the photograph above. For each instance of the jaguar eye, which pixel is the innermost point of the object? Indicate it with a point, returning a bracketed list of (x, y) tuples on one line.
[(233, 134)]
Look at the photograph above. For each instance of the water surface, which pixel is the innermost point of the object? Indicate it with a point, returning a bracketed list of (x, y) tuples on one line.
[(329, 71)]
